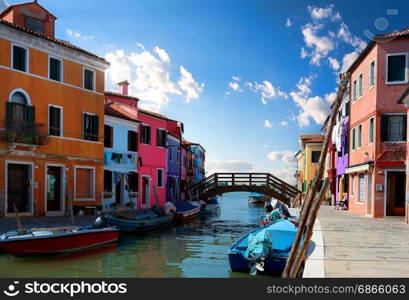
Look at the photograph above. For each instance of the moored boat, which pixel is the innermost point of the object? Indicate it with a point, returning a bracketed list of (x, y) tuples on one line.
[(210, 206), (256, 198), (186, 211), (271, 242), (55, 240), (140, 223)]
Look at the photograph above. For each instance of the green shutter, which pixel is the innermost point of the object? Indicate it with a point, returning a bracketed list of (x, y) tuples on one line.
[(404, 134), (31, 117), (384, 128), (9, 114), (95, 127)]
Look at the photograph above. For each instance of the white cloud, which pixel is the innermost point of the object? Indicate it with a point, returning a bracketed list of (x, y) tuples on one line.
[(345, 34), (235, 86), (267, 90), (286, 174), (150, 77), (214, 166), (163, 55), (316, 108), (328, 12), (236, 78), (334, 63), (303, 53), (76, 34), (286, 156), (187, 83), (266, 146), (267, 124), (288, 23), (284, 123), (321, 45), (348, 60)]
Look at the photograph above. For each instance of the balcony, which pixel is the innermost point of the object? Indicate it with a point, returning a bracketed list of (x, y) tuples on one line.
[(24, 133)]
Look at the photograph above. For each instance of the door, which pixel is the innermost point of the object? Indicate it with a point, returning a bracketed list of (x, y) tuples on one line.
[(145, 192), (369, 196), (54, 189), (395, 196), (18, 187)]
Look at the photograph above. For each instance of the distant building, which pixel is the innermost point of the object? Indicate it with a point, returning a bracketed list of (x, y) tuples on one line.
[(378, 127), (52, 95)]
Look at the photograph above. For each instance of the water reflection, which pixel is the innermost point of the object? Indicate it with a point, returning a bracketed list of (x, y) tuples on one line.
[(195, 249)]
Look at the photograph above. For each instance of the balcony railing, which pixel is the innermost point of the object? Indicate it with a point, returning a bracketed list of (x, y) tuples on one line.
[(25, 132)]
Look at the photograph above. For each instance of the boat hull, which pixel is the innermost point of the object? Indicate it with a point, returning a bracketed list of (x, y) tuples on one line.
[(187, 215), (211, 209), (134, 225), (273, 265), (59, 243)]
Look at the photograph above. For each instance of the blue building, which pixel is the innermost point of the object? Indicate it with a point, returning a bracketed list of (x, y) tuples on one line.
[(173, 168)]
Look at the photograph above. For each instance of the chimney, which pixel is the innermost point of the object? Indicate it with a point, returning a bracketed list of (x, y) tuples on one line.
[(123, 87)]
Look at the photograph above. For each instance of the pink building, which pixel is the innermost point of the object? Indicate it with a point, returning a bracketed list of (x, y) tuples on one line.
[(379, 76)]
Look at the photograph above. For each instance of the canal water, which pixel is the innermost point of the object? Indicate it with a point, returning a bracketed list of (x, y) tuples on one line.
[(196, 249)]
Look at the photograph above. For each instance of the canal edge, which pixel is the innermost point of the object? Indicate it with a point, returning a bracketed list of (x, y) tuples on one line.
[(315, 264)]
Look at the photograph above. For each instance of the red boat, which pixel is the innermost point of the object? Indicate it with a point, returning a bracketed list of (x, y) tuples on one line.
[(55, 240), (187, 215)]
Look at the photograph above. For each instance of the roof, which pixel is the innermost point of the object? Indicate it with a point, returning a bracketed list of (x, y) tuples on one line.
[(404, 98), (116, 94), (22, 4), (153, 114), (188, 143), (378, 38), (311, 138), (121, 111), (52, 39)]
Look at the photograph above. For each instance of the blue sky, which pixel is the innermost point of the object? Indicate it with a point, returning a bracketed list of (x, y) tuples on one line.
[(245, 77)]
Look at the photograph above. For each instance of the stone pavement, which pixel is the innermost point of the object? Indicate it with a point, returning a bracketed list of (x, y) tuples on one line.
[(357, 246)]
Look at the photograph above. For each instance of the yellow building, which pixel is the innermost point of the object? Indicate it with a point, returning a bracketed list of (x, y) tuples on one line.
[(307, 159)]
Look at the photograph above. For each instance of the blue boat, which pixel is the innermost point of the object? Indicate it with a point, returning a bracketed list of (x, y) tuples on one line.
[(140, 223), (281, 235)]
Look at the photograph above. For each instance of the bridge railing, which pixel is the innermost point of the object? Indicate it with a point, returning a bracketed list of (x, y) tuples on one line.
[(267, 180)]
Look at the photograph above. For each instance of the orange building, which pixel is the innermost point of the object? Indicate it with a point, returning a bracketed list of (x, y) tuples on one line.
[(51, 131)]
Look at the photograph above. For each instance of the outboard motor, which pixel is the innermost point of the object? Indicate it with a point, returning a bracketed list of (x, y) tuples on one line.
[(101, 222)]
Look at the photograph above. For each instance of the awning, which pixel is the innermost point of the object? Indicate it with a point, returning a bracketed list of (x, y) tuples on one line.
[(359, 168)]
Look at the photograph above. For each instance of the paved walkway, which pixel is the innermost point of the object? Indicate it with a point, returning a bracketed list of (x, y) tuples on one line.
[(356, 246)]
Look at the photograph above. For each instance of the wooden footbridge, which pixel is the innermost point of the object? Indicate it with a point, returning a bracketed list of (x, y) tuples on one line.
[(262, 183)]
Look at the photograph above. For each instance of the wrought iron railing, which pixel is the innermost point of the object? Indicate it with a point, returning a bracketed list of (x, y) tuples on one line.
[(25, 132)]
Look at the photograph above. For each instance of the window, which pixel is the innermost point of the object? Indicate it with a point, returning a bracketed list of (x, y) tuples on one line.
[(84, 183), (54, 120), (108, 136), (371, 130), (107, 181), (315, 156), (353, 139), (55, 69), (396, 68), (161, 138), (145, 134), (133, 182), (88, 79), (160, 178), (20, 58), (132, 141), (90, 124), (170, 154), (178, 155), (34, 24), (393, 128), (361, 187), (372, 75), (359, 136), (360, 85), (354, 91)]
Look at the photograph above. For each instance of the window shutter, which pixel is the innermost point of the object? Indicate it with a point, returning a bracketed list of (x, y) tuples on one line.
[(9, 113), (95, 128), (149, 135), (84, 121), (158, 137), (129, 140), (384, 128), (52, 121), (404, 133), (31, 114)]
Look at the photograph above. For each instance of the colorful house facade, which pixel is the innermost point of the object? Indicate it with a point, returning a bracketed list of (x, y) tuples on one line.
[(52, 94), (378, 127)]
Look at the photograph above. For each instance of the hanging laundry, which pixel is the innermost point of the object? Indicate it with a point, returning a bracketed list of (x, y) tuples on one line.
[(107, 158), (117, 178)]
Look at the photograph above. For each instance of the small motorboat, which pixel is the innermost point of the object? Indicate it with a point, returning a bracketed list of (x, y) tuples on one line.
[(270, 245), (135, 221), (210, 206), (186, 211), (43, 241), (256, 199)]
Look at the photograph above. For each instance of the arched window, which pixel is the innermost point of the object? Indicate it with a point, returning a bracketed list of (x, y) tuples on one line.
[(18, 98), (18, 109)]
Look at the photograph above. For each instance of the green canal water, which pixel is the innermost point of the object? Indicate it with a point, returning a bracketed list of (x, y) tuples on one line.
[(196, 249)]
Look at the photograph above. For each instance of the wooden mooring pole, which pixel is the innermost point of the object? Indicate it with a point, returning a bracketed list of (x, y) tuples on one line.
[(312, 203)]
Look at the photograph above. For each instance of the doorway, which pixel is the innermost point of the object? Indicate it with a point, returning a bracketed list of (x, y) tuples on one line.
[(145, 192), (54, 191), (395, 194), (369, 195), (19, 187)]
